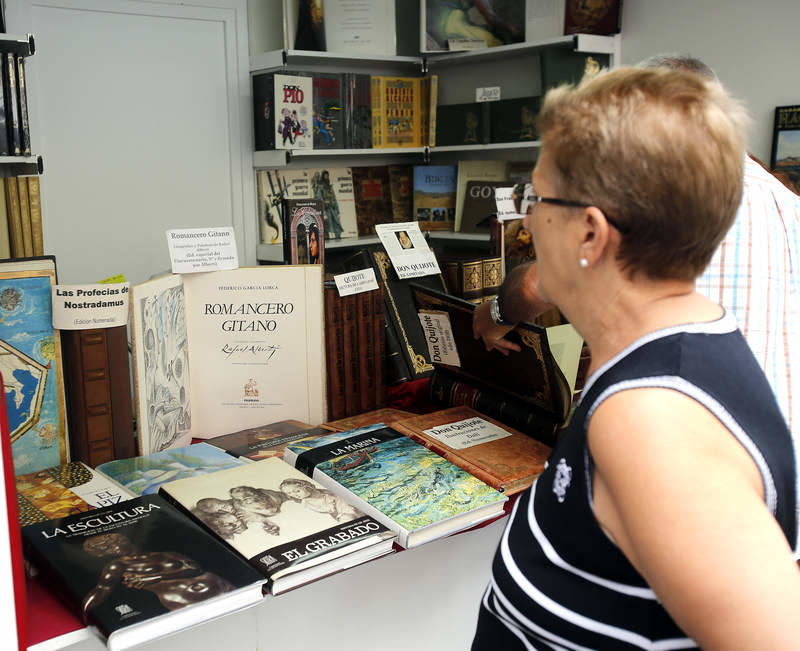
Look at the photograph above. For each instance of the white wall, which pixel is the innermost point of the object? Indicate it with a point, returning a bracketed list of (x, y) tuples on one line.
[(753, 46)]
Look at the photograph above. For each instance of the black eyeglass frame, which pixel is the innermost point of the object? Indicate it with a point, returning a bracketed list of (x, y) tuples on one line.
[(535, 198)]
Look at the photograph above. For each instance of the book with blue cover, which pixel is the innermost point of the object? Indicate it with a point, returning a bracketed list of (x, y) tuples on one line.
[(413, 491)]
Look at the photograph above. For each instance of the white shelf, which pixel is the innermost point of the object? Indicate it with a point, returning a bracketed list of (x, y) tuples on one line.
[(351, 242), (378, 151), (578, 42), (458, 237), (276, 60), (493, 146), (270, 158), (282, 157), (18, 44), (20, 165)]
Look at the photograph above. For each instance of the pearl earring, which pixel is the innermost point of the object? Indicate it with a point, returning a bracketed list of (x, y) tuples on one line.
[(583, 262)]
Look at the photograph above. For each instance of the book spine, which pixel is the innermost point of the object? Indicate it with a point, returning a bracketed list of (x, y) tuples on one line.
[(14, 218), (433, 101), (366, 351), (450, 273), (377, 102), (12, 107), (470, 273), (451, 391), (4, 109), (363, 112), (35, 205), (395, 364), (351, 361), (5, 237), (25, 134), (264, 111), (486, 122), (334, 336), (25, 215), (492, 277), (379, 340)]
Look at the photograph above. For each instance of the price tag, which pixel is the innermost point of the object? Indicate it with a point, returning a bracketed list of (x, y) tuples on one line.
[(356, 282), (202, 249), (505, 204), (487, 94), (407, 249)]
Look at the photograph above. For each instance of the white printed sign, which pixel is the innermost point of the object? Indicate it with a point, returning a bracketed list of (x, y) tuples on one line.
[(202, 249), (505, 204), (456, 44), (439, 335), (466, 433), (487, 94), (82, 307), (407, 249), (356, 282)]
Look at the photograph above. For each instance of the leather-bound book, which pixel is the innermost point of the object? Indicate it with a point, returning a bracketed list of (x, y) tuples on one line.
[(495, 453), (99, 404), (366, 351), (352, 399), (379, 341), (334, 343)]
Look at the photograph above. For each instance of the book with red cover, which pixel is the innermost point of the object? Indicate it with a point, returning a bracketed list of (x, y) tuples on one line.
[(334, 352), (352, 366), (498, 455), (366, 351), (385, 415)]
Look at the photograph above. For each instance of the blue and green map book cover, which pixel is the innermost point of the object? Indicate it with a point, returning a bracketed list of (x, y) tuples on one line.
[(404, 485), (144, 475), (30, 362)]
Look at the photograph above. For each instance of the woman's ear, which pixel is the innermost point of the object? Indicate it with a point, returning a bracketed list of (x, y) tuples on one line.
[(595, 234)]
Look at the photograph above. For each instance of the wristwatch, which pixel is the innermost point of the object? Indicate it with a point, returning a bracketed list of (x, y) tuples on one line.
[(494, 312)]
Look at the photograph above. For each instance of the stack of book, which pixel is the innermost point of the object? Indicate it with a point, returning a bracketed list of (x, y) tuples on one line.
[(475, 279), (15, 137), (21, 217)]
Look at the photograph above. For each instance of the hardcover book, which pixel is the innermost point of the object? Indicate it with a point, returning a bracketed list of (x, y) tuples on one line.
[(398, 108), (435, 196), (462, 124), (476, 170), (145, 475), (373, 197), (359, 110), (513, 120), (273, 187), (563, 65), (11, 103), (293, 112), (291, 529), (499, 455), (361, 27), (401, 184), (479, 204), (333, 186), (785, 158), (384, 415), (65, 490), (310, 33), (531, 377), (266, 441), (600, 17), (329, 104), (304, 232), (22, 99), (31, 364), (264, 111), (419, 495), (140, 570), (226, 349)]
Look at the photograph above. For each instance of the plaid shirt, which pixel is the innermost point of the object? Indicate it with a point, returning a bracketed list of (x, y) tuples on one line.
[(755, 275)]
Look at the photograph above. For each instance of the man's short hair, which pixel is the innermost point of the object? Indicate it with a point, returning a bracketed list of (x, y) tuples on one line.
[(675, 61), (659, 151)]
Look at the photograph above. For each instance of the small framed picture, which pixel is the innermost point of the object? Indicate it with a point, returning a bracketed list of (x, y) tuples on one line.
[(785, 159)]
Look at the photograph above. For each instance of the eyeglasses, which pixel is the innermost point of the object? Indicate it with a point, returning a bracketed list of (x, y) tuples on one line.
[(533, 199)]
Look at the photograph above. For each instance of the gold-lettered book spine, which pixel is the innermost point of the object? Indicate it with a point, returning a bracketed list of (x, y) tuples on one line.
[(35, 204), (25, 214), (14, 217)]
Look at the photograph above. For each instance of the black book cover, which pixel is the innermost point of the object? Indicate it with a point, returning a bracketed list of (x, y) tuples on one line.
[(514, 120), (264, 111), (329, 111), (12, 107), (133, 562), (479, 203), (562, 65), (463, 124), (359, 111), (22, 95), (310, 26)]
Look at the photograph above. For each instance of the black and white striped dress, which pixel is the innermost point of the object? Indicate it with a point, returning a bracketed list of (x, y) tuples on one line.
[(558, 582)]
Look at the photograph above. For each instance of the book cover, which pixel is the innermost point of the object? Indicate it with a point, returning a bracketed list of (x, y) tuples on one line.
[(360, 27), (14, 217), (397, 111), (602, 17), (479, 204), (11, 104), (449, 26), (513, 120), (333, 186), (401, 315), (225, 350), (264, 111), (563, 65), (140, 570), (532, 376), (373, 197), (462, 124), (293, 112), (785, 157), (310, 34), (329, 104), (273, 187), (265, 441), (304, 231), (22, 98), (31, 364), (146, 474), (292, 529), (352, 366), (379, 334), (65, 490), (435, 196), (359, 110), (476, 170), (419, 495), (504, 458), (384, 415), (401, 184), (516, 244)]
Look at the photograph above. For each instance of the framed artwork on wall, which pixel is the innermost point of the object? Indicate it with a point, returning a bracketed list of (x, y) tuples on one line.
[(785, 158)]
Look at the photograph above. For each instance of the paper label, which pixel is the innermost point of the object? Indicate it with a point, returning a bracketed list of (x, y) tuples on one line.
[(407, 249), (487, 94), (439, 335), (466, 433), (454, 44), (202, 249), (356, 282), (505, 204), (82, 307)]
